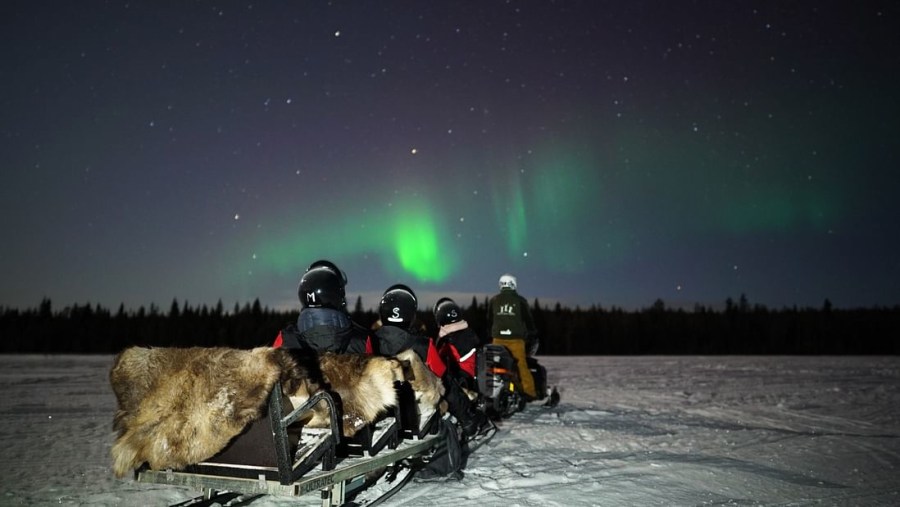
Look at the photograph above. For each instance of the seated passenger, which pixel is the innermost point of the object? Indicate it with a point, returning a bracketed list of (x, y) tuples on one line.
[(324, 324), (457, 342), (398, 314), (397, 311)]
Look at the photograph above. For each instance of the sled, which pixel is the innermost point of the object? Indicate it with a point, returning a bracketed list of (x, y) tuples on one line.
[(265, 459)]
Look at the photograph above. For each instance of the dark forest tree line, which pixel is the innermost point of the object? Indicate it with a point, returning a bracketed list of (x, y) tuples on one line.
[(737, 329)]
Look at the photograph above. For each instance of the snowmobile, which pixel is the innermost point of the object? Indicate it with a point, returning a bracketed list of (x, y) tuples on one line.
[(497, 376), (498, 382)]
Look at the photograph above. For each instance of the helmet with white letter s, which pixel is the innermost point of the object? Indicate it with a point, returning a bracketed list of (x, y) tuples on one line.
[(446, 311), (398, 307)]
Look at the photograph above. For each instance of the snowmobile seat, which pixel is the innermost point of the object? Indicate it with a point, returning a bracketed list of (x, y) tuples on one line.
[(267, 449)]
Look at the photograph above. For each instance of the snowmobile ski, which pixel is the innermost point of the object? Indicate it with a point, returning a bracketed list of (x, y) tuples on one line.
[(552, 398)]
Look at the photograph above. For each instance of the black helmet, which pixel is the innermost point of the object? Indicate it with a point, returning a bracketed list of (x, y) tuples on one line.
[(446, 311), (398, 306), (322, 286)]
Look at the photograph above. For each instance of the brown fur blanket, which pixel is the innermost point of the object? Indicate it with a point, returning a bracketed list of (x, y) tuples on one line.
[(365, 387), (182, 406)]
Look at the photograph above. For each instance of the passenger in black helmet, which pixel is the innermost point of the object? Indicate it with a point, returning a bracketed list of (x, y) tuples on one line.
[(324, 324), (510, 324), (322, 286), (457, 342), (397, 333), (397, 311), (458, 346)]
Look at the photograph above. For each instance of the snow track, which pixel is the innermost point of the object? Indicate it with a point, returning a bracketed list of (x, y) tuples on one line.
[(629, 431)]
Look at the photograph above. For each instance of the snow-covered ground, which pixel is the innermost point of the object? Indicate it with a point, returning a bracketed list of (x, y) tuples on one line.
[(629, 431)]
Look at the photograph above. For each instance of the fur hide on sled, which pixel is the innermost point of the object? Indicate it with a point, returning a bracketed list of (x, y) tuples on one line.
[(179, 406), (365, 386)]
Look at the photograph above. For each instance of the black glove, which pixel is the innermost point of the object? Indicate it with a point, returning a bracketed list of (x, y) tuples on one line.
[(532, 346)]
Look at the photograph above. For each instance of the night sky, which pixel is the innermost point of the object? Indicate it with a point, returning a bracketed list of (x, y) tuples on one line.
[(606, 153)]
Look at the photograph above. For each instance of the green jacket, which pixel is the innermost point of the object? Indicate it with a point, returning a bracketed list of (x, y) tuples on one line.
[(510, 317)]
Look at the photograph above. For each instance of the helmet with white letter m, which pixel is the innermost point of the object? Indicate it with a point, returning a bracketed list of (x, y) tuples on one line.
[(322, 286), (507, 281)]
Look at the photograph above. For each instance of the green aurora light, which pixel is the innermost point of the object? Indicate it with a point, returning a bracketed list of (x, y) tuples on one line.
[(560, 208), (405, 237), (416, 244)]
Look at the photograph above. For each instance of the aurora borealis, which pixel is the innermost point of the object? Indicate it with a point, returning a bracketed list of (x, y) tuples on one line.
[(603, 152)]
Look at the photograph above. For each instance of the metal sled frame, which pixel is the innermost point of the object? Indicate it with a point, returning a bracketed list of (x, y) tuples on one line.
[(373, 437), (321, 448), (302, 474), (412, 426), (331, 483)]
